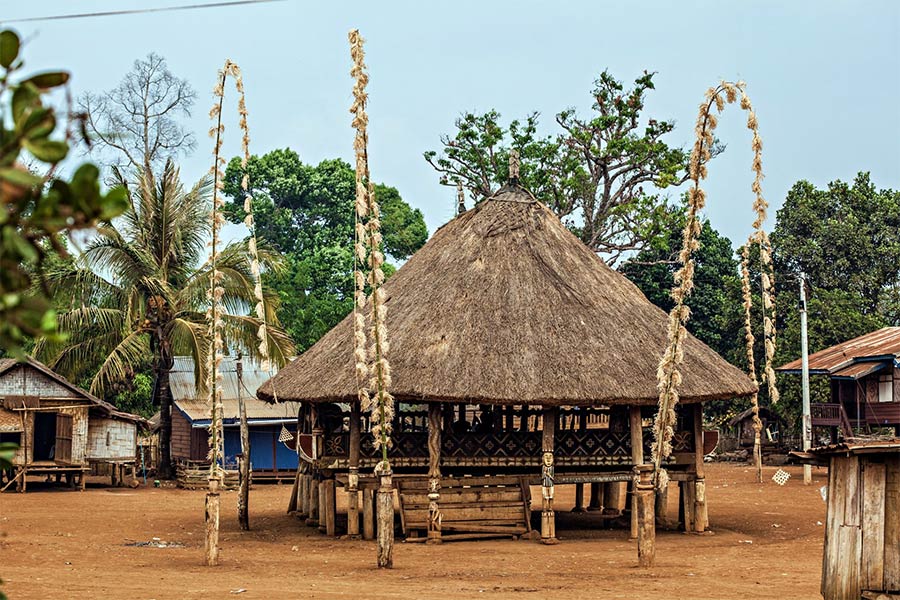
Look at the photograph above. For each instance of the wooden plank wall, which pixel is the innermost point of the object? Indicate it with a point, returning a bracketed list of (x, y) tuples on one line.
[(181, 436), (892, 524), (841, 560), (872, 568)]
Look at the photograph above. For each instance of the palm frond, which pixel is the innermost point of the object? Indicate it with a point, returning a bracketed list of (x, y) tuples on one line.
[(121, 362)]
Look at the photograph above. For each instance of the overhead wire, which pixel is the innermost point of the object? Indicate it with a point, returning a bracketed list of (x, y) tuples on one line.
[(137, 11)]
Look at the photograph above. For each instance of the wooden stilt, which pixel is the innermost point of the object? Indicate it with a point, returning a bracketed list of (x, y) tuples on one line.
[(330, 507), (313, 520), (434, 472), (701, 520), (579, 498), (385, 515), (636, 427), (645, 508), (662, 507), (549, 417), (368, 514), (686, 508), (596, 502), (353, 475), (323, 506), (295, 494)]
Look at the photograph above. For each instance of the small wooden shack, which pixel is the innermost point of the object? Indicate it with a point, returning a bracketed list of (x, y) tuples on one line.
[(60, 429), (862, 529), (518, 358), (739, 433)]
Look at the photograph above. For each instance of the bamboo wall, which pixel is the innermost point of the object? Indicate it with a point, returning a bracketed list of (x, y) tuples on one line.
[(862, 533)]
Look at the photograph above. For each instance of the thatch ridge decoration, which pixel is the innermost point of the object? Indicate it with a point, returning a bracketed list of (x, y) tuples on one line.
[(530, 315)]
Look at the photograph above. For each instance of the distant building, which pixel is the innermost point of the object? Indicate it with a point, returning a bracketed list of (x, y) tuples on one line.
[(60, 428), (269, 457), (865, 383)]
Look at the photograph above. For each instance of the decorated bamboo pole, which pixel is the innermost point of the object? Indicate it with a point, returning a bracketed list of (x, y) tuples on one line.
[(434, 472), (751, 361), (374, 366), (548, 517), (668, 374), (216, 344)]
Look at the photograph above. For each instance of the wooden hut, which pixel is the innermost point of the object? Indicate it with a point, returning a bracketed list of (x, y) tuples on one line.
[(864, 374), (515, 352), (740, 435), (61, 429), (862, 528)]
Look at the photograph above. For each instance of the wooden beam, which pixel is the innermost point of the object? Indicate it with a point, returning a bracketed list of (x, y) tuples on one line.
[(637, 458), (330, 508), (353, 475)]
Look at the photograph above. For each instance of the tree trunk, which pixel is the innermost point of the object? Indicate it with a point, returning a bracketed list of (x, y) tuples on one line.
[(163, 394)]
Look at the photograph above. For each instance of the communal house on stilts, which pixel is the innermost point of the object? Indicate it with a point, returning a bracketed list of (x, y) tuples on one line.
[(518, 358)]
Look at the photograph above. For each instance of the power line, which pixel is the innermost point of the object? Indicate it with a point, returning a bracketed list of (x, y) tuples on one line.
[(136, 11)]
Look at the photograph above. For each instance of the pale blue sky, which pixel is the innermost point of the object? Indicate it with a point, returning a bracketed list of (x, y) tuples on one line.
[(824, 77)]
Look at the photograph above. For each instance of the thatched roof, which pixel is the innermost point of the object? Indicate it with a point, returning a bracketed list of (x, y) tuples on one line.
[(504, 305)]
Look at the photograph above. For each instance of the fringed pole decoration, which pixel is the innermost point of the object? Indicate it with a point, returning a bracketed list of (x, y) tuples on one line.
[(668, 374), (377, 398)]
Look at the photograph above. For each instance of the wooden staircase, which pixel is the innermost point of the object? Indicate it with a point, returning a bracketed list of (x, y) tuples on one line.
[(471, 507)]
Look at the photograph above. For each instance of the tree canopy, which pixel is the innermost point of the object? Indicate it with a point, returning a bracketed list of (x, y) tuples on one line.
[(305, 212), (601, 174)]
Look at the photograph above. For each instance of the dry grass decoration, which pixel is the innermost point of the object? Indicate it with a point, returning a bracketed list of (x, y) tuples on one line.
[(668, 374), (216, 292), (373, 372)]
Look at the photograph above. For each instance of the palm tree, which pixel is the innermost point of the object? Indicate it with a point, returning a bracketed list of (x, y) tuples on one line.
[(139, 290)]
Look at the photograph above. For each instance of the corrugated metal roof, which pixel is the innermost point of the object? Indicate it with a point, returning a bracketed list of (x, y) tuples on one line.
[(882, 343), (858, 370), (184, 392)]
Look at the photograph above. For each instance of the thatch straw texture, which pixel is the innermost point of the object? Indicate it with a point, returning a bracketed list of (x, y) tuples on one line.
[(505, 306)]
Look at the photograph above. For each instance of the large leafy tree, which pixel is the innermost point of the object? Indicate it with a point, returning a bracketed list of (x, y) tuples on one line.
[(306, 213), (601, 174), (140, 289), (846, 239)]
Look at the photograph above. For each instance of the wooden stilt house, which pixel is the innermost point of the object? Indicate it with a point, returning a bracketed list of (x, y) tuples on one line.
[(60, 429), (518, 358)]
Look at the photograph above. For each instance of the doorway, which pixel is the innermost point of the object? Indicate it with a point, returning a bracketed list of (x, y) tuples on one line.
[(44, 436)]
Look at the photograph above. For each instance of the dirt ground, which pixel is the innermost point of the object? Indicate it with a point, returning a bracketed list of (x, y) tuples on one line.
[(766, 543)]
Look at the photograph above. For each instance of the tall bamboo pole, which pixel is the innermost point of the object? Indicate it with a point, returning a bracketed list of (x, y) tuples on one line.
[(244, 466)]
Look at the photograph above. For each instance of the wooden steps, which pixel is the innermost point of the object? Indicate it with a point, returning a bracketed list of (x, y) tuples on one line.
[(471, 507)]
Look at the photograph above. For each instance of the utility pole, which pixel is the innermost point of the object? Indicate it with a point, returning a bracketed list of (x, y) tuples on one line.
[(804, 361)]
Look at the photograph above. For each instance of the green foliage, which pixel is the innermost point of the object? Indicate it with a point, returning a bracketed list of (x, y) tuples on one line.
[(37, 210), (592, 173), (716, 303), (306, 213), (138, 398)]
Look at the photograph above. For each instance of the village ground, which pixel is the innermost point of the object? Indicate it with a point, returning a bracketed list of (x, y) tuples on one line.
[(767, 543)]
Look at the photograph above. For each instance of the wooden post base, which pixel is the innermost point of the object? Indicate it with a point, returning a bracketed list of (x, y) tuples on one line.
[(385, 515), (212, 524), (368, 514), (646, 508)]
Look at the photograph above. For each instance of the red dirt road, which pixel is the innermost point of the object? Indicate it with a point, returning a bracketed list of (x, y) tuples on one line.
[(767, 543)]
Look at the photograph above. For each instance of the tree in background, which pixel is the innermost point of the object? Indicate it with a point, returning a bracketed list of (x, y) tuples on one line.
[(601, 175), (846, 239), (139, 290), (37, 209), (138, 119), (305, 212), (716, 304)]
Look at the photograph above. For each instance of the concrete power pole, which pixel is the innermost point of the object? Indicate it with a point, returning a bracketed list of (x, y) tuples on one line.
[(804, 361)]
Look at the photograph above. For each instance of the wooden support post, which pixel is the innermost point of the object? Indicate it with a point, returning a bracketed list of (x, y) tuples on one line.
[(579, 498), (243, 500), (686, 505), (701, 520), (596, 502), (645, 510), (385, 515), (353, 475), (295, 493), (434, 473), (637, 458), (368, 514), (212, 523), (330, 507), (323, 506), (313, 519), (662, 507), (548, 517)]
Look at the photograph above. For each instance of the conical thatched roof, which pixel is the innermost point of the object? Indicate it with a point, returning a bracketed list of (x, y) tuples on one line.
[(504, 305)]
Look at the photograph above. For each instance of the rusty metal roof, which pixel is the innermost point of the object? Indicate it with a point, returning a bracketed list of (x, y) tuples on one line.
[(195, 408), (880, 345)]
